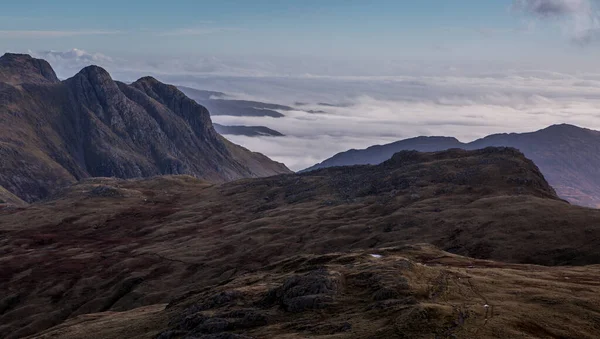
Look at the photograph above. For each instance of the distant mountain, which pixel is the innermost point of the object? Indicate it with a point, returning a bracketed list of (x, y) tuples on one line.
[(217, 104), (55, 133), (250, 131), (568, 156)]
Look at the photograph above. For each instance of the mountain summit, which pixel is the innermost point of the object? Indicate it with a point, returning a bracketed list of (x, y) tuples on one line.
[(56, 133), (22, 68)]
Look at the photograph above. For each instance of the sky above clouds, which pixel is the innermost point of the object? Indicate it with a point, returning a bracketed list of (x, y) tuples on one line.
[(393, 69), (363, 34)]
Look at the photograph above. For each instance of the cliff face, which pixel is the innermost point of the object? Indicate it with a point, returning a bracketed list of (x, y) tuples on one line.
[(55, 133)]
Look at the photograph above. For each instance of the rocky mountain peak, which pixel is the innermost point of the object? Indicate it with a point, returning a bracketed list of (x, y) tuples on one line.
[(22, 68), (93, 126), (170, 96), (95, 74), (158, 90), (94, 87)]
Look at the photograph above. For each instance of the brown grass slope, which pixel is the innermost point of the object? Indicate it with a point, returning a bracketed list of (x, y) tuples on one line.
[(55, 133), (116, 245)]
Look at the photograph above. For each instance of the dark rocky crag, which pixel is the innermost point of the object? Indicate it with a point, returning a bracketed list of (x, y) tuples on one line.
[(55, 133)]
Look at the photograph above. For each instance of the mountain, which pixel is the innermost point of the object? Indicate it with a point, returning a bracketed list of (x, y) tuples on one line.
[(250, 131), (333, 253), (568, 156), (55, 133), (380, 153), (218, 104)]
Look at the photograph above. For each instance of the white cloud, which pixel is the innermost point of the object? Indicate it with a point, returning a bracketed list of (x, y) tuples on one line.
[(73, 55), (67, 63)]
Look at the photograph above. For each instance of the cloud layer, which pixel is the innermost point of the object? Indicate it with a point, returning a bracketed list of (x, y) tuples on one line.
[(376, 111)]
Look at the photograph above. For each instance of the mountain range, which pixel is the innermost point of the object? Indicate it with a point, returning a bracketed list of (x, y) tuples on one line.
[(567, 155), (55, 133), (343, 252)]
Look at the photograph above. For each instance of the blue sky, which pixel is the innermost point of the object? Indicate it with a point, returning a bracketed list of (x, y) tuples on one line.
[(438, 30)]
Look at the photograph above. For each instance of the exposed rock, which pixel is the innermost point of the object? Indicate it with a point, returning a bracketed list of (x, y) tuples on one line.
[(105, 191), (314, 290)]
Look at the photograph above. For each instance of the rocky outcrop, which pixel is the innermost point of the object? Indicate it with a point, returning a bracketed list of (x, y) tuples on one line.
[(55, 133)]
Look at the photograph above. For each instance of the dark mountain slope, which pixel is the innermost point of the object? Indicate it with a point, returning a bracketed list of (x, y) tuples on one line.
[(114, 245), (379, 153), (569, 156), (55, 133)]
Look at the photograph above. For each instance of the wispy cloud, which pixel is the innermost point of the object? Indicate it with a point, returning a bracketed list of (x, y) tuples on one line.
[(191, 31), (553, 8), (580, 18), (21, 34)]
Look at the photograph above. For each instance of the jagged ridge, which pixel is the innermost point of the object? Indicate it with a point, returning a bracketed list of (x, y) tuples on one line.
[(90, 126)]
